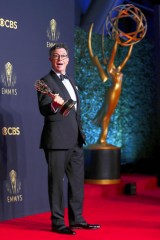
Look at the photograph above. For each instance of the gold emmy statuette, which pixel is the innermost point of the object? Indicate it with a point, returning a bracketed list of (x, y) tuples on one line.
[(43, 88), (117, 18)]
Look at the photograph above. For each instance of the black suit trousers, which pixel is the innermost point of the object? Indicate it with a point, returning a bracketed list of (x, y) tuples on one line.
[(71, 163)]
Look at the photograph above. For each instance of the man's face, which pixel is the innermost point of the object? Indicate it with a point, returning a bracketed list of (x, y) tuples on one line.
[(59, 60)]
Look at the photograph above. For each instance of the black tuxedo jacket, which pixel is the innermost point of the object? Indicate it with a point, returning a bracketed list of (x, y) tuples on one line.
[(59, 132)]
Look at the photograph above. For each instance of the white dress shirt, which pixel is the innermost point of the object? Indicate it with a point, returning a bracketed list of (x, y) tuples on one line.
[(70, 90)]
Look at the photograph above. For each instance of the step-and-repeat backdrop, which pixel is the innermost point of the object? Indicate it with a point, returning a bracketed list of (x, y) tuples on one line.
[(27, 30)]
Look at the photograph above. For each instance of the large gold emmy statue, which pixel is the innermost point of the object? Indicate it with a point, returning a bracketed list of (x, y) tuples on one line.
[(115, 22), (103, 159)]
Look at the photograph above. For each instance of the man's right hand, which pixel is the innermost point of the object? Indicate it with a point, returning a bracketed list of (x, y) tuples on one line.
[(57, 101)]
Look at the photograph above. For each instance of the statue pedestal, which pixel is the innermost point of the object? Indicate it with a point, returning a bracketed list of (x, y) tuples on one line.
[(102, 164)]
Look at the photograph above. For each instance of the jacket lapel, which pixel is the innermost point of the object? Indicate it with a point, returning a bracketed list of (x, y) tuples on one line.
[(64, 93)]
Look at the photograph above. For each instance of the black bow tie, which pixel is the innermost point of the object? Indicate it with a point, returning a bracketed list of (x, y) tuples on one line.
[(62, 77)]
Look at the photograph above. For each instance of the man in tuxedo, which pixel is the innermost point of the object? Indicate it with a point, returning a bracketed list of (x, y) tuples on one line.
[(62, 140)]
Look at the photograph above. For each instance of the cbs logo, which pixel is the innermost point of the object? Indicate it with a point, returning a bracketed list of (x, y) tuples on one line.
[(10, 131), (8, 23)]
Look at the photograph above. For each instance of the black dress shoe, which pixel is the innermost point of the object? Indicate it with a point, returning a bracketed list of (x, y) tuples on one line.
[(85, 225), (64, 230)]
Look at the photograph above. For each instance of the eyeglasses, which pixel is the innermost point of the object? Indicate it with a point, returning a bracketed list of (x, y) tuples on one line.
[(57, 56)]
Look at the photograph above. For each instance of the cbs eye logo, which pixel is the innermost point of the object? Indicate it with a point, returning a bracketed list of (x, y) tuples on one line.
[(8, 23), (10, 131)]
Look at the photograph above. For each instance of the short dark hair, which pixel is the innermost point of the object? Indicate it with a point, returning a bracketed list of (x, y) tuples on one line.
[(56, 46)]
